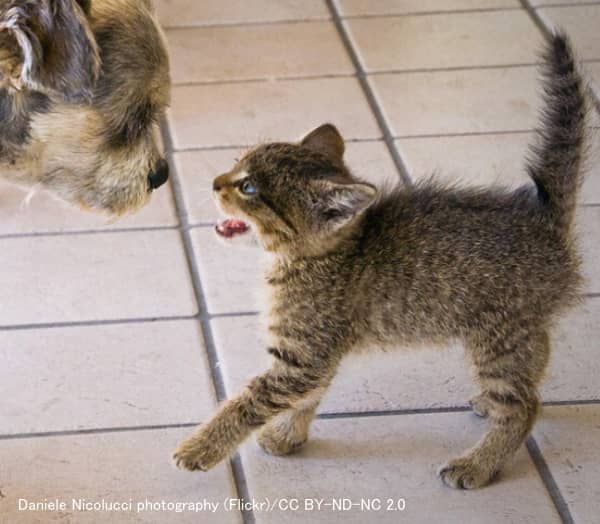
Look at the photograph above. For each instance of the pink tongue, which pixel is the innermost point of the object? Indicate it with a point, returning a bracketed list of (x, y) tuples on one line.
[(231, 227)]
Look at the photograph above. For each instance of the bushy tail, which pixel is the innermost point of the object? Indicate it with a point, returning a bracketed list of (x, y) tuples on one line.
[(555, 163)]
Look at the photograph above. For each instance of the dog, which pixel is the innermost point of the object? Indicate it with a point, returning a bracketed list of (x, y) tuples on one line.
[(82, 83)]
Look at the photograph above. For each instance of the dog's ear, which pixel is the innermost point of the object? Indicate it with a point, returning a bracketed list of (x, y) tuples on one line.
[(86, 5), (48, 46)]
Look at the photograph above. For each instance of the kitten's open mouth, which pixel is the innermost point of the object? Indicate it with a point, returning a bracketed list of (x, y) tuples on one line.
[(232, 227)]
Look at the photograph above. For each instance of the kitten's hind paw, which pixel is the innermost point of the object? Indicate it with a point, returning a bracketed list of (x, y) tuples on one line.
[(276, 444), (464, 473), (480, 405)]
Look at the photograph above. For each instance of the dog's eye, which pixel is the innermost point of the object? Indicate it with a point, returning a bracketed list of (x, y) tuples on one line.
[(248, 188)]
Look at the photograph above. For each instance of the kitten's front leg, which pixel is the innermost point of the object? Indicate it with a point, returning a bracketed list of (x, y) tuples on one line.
[(266, 396), (214, 441)]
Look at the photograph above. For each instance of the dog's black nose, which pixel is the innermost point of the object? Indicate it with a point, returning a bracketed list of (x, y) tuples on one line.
[(160, 174)]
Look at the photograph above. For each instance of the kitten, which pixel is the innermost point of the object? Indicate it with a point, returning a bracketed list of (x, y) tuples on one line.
[(491, 267)]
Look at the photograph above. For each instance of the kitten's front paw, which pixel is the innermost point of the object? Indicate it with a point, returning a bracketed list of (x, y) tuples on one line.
[(198, 453), (464, 473)]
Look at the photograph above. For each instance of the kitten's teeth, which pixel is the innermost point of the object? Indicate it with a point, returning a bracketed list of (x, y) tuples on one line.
[(231, 227)]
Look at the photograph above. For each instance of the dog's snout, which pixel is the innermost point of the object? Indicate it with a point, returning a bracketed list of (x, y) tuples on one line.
[(217, 184), (160, 174)]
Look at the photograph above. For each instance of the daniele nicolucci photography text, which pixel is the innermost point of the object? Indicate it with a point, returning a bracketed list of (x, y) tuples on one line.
[(338, 505)]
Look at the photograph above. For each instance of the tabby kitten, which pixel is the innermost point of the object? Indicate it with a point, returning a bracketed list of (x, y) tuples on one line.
[(355, 268)]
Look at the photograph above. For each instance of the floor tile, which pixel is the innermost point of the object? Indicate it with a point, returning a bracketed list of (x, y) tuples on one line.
[(112, 467), (588, 230), (394, 458), (119, 380), (568, 438), (372, 162), (231, 274), (229, 53), (581, 23), (186, 13), (594, 71), (538, 3), (197, 169), (94, 277), (574, 366), (390, 7), (494, 159), (416, 378), (453, 102), (444, 41), (45, 213), (248, 113)]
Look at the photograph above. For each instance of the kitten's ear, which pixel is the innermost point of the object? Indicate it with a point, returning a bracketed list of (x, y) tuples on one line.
[(341, 203), (325, 139)]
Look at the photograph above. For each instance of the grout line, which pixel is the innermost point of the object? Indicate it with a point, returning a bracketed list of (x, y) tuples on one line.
[(551, 486), (465, 133), (218, 25), (95, 431), (537, 19), (199, 149), (566, 4), (141, 320), (474, 133), (443, 409), (91, 323), (378, 72), (237, 471), (263, 80), (582, 402), (370, 96), (431, 13), (11, 236), (208, 148), (247, 147), (234, 314), (320, 416), (192, 265), (451, 69), (393, 412), (241, 485), (208, 316), (199, 225)]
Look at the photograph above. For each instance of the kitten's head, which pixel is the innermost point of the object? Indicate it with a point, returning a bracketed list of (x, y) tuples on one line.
[(297, 198)]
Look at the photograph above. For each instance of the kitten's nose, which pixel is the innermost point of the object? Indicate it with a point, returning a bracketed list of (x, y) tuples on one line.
[(160, 174)]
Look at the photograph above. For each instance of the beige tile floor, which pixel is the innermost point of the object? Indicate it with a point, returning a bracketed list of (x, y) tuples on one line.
[(115, 338)]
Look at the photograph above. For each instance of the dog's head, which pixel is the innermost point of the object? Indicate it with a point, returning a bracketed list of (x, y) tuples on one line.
[(82, 83)]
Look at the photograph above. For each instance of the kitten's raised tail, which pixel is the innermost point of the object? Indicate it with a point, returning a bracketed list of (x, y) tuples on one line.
[(555, 163)]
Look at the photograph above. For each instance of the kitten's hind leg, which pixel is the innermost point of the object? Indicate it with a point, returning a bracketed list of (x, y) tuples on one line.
[(480, 405), (287, 432), (509, 371)]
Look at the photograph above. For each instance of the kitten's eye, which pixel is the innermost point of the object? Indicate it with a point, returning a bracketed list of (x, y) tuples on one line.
[(248, 188)]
